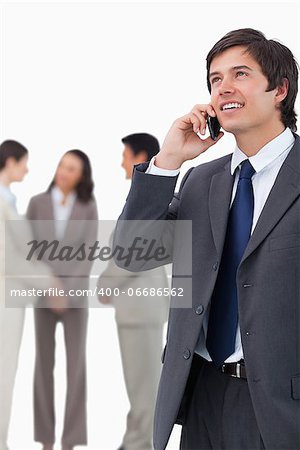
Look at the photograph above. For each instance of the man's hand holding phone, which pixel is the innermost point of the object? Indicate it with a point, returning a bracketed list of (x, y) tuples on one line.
[(183, 142)]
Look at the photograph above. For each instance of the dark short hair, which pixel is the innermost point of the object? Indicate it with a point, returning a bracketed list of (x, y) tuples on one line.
[(275, 59), (139, 142), (11, 149), (85, 187)]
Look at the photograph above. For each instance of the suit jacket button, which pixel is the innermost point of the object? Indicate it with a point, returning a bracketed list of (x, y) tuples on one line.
[(186, 354), (215, 266), (199, 310)]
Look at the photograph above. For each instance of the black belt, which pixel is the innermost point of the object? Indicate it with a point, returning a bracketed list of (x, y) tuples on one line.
[(236, 369)]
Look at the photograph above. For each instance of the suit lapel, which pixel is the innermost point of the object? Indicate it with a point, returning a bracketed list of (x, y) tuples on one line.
[(285, 191), (75, 211), (47, 207), (46, 211), (219, 204)]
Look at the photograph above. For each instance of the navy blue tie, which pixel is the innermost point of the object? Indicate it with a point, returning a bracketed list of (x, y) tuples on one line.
[(223, 317)]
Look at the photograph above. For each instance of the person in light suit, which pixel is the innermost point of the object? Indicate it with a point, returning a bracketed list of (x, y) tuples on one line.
[(140, 320), (13, 168), (66, 212), (231, 372)]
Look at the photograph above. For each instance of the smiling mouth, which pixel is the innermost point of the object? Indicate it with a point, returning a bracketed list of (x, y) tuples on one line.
[(231, 106)]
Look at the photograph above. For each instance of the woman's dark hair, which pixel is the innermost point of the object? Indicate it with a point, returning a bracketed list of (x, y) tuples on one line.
[(84, 188), (11, 149), (276, 61)]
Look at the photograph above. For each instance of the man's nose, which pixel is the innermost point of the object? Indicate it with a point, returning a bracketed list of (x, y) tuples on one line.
[(226, 86)]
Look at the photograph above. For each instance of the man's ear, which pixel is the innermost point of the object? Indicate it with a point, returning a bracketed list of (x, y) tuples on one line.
[(282, 91), (141, 157)]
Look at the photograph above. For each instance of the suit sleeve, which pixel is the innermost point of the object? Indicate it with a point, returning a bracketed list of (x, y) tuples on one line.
[(149, 214), (30, 210)]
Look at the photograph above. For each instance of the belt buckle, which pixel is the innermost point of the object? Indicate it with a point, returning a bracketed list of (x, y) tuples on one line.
[(238, 370)]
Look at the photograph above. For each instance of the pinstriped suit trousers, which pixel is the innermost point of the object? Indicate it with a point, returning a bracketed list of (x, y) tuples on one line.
[(220, 415)]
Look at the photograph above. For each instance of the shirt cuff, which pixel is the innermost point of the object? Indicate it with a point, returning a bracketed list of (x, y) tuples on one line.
[(154, 170)]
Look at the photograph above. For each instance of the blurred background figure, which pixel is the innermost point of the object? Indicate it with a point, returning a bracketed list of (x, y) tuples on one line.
[(140, 320), (71, 210), (13, 168)]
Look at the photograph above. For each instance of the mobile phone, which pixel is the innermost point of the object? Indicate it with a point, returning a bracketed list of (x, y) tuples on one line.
[(214, 127)]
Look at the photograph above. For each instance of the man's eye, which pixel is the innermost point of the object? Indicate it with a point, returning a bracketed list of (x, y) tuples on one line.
[(214, 80), (241, 73)]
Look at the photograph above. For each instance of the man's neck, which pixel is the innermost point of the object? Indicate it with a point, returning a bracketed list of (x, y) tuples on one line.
[(252, 141)]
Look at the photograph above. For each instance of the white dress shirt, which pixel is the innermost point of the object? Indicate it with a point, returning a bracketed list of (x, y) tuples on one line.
[(8, 196), (267, 163), (62, 208)]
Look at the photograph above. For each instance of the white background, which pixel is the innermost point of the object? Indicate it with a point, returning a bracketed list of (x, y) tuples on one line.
[(83, 75)]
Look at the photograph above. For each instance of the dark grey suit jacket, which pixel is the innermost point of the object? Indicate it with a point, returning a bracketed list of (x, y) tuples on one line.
[(268, 281)]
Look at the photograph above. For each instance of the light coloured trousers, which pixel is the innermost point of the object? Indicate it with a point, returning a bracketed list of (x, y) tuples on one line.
[(141, 349), (11, 329)]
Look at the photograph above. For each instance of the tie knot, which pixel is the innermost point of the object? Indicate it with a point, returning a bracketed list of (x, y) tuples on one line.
[(247, 170)]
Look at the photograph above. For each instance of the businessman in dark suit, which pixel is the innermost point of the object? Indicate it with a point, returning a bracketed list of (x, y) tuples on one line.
[(231, 374)]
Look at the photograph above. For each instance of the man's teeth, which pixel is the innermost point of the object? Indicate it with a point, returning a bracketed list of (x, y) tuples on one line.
[(231, 106)]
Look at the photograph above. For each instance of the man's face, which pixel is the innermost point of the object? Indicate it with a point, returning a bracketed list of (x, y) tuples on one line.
[(128, 161), (238, 93)]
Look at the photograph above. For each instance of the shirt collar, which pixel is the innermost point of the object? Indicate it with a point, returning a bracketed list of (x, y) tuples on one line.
[(58, 196), (266, 154)]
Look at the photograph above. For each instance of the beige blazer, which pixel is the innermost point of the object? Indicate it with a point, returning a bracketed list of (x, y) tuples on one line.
[(132, 308), (15, 271)]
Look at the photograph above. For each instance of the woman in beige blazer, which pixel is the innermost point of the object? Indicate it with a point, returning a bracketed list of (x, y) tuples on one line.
[(66, 213), (13, 168)]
